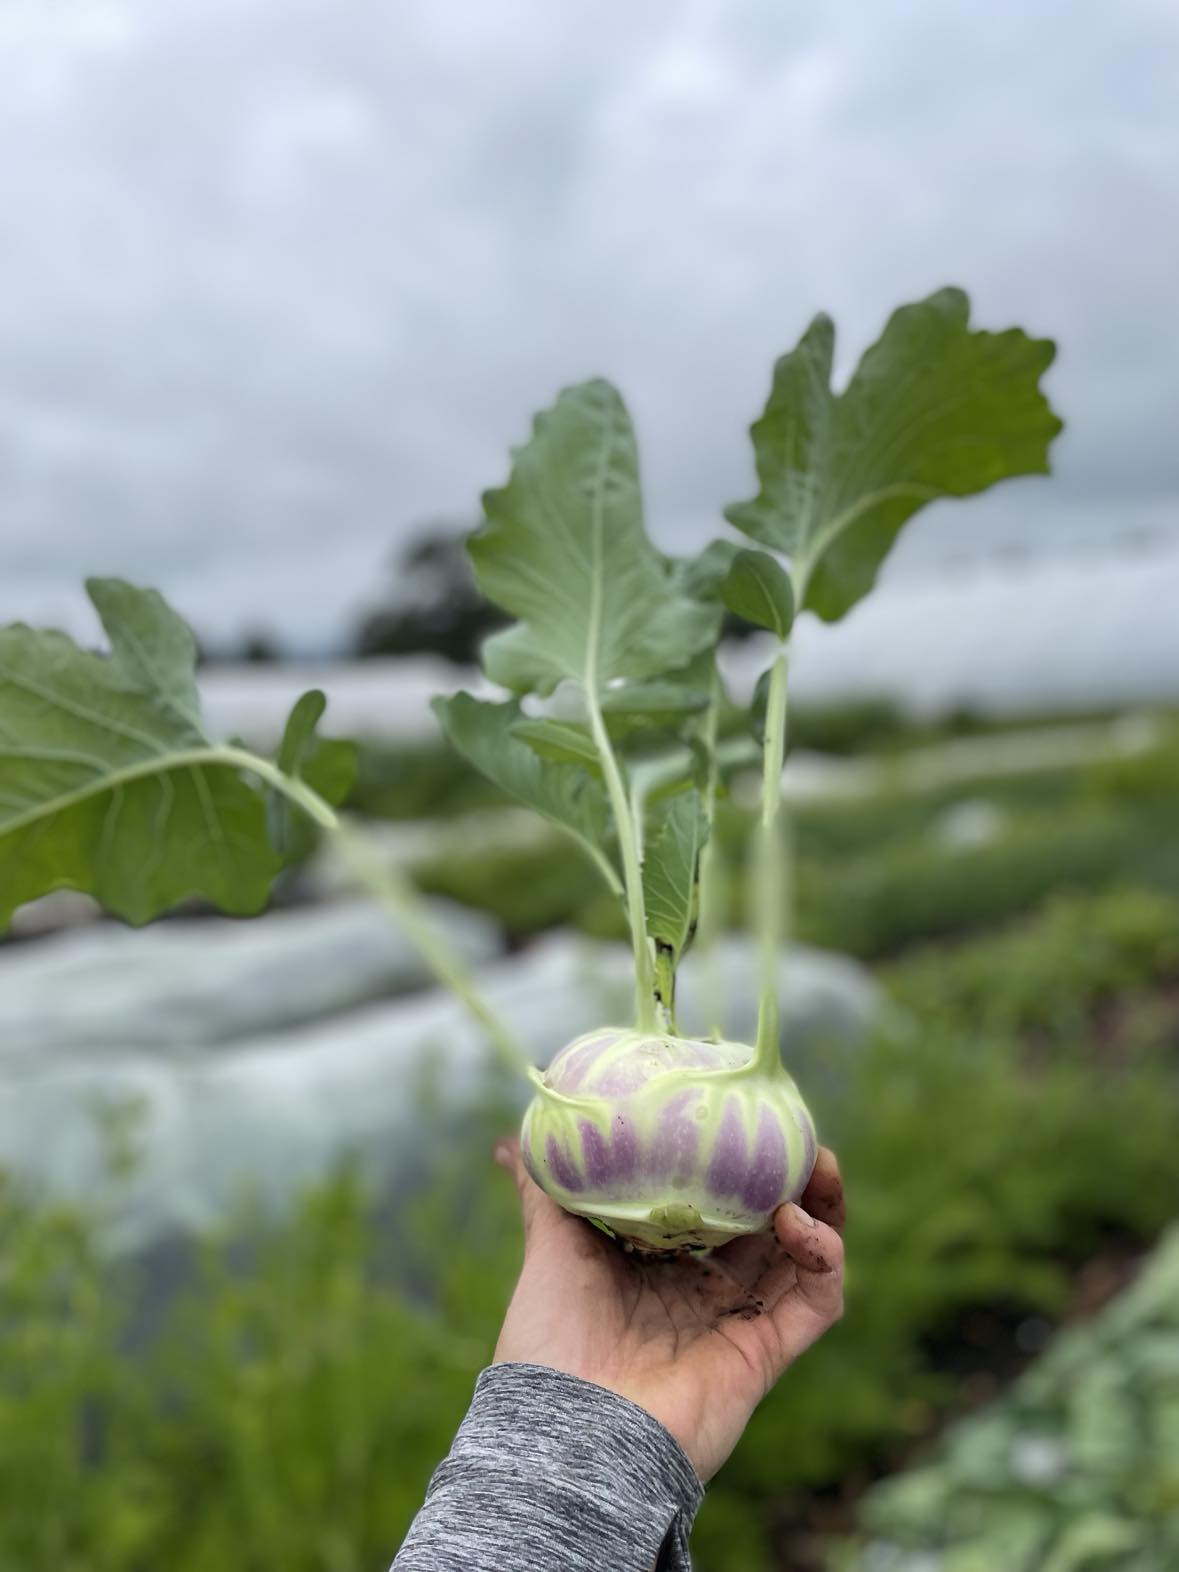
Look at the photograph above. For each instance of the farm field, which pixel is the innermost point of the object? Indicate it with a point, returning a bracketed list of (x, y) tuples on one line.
[(1005, 1125)]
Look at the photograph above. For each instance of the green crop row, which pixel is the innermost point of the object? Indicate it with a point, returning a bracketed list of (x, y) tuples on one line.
[(1075, 1470), (879, 875)]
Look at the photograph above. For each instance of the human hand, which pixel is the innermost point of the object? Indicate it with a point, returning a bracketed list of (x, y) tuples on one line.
[(696, 1341)]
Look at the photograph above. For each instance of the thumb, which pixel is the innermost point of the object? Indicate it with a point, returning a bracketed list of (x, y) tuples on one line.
[(816, 1250)]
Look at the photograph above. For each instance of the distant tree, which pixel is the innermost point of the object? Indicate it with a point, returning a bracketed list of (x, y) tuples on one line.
[(433, 606), (260, 646)]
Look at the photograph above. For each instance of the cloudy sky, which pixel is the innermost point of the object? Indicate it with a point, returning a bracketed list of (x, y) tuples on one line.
[(282, 279)]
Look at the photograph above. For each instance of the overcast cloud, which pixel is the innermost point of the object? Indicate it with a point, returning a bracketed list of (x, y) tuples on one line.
[(280, 280)]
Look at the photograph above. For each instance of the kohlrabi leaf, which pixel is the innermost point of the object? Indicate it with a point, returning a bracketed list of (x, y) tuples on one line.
[(565, 794), (108, 782), (757, 588), (329, 768), (671, 885), (701, 576), (933, 410), (654, 701), (642, 712), (561, 742), (563, 550), (299, 731), (326, 764)]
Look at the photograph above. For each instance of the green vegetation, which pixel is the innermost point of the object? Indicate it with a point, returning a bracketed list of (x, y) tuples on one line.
[(285, 1413), (288, 1407), (877, 875), (112, 785), (1076, 1470)]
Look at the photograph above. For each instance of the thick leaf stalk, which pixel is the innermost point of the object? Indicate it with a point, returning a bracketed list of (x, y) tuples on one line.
[(646, 1015), (772, 873), (399, 899)]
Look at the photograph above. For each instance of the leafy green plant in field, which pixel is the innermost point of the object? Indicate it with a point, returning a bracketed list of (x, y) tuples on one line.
[(76, 1489), (109, 782), (1075, 1470), (306, 1398), (874, 905), (289, 1401), (1050, 971)]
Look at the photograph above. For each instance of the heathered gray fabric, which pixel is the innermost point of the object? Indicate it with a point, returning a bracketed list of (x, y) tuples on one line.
[(552, 1474)]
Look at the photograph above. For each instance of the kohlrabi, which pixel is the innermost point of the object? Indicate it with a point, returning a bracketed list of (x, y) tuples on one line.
[(668, 1142), (668, 1138)]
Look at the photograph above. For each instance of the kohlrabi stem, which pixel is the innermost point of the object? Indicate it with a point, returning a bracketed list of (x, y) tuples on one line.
[(399, 899), (710, 917), (646, 1013), (293, 789), (772, 874)]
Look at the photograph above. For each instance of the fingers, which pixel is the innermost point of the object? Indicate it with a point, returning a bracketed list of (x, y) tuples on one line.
[(810, 1232), (816, 1302), (813, 1246), (823, 1196)]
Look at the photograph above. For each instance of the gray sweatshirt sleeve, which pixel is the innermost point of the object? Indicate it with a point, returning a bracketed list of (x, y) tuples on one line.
[(549, 1473)]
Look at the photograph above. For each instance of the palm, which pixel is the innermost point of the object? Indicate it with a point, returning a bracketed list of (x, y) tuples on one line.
[(696, 1341)]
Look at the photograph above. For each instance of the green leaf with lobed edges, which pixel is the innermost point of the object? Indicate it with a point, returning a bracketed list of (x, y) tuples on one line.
[(933, 410), (563, 793), (564, 551), (108, 781)]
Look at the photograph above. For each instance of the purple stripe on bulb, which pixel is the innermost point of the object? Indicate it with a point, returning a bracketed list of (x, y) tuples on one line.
[(676, 1141), (726, 1171), (626, 1150), (765, 1183), (596, 1153), (561, 1168), (608, 1160)]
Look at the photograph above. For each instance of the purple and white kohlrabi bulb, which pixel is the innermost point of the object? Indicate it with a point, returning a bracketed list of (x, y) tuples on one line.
[(670, 1143)]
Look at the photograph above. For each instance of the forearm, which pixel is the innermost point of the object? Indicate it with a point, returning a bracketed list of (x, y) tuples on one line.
[(552, 1474)]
